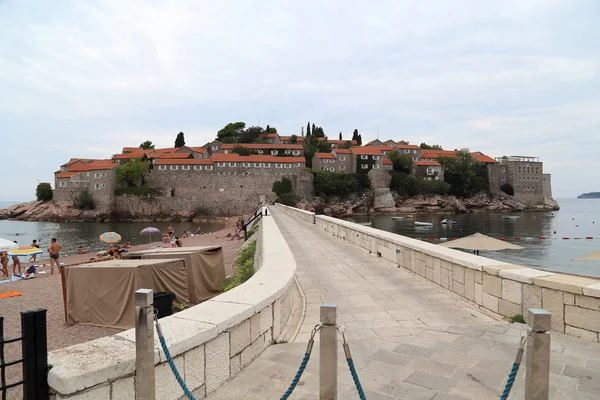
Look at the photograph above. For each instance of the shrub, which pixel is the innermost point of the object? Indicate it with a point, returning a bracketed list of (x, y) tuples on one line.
[(328, 184), (43, 192), (284, 191), (245, 266), (508, 189), (84, 201), (253, 228), (410, 185), (288, 199)]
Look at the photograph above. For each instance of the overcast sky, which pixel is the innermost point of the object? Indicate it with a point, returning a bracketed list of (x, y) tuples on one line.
[(84, 79)]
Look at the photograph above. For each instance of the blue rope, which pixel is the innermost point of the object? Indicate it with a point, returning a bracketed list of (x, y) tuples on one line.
[(289, 391), (187, 391), (361, 393), (511, 380)]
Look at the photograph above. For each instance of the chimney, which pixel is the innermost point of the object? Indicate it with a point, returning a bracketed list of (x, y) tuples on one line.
[(303, 131)]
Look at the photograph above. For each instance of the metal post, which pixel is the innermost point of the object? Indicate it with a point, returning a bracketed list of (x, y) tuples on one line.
[(28, 349), (328, 366), (144, 344), (41, 354), (537, 373)]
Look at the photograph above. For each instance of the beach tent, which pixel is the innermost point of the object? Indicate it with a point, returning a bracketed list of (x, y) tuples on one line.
[(478, 241), (595, 256), (6, 244), (103, 293), (205, 268)]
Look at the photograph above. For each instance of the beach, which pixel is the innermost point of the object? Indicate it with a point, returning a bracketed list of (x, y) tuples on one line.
[(45, 291)]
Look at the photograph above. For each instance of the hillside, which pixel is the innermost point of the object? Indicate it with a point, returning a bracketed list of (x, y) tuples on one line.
[(591, 195)]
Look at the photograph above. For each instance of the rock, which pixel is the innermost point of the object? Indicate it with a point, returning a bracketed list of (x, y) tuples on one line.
[(382, 198)]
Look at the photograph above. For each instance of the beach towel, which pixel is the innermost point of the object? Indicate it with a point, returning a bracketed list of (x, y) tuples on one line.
[(12, 293)]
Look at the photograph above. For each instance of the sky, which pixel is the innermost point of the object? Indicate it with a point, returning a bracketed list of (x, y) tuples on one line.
[(86, 78)]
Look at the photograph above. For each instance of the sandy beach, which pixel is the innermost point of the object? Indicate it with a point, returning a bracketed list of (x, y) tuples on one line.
[(45, 291)]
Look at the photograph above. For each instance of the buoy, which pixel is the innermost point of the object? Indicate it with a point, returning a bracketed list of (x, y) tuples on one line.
[(576, 238), (566, 238), (502, 238), (589, 237), (431, 239), (516, 239), (542, 238)]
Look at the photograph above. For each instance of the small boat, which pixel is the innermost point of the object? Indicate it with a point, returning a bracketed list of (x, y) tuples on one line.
[(367, 223), (548, 215), (448, 222), (410, 216), (419, 223), (397, 218), (511, 217)]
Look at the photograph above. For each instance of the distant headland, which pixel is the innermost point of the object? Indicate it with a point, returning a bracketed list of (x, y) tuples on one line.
[(591, 195)]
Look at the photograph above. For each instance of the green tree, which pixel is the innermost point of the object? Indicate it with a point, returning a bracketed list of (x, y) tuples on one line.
[(43, 191), (466, 176), (241, 150), (308, 129), (179, 140), (340, 136), (426, 146), (270, 129), (355, 135), (359, 140), (250, 135), (147, 145), (84, 201), (284, 191), (400, 161), (132, 172), (231, 133), (318, 131), (347, 144), (294, 139)]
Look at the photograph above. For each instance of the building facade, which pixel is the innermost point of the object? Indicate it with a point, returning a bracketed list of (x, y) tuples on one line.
[(524, 174)]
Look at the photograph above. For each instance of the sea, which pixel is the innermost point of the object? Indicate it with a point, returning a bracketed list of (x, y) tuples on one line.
[(87, 234), (564, 234)]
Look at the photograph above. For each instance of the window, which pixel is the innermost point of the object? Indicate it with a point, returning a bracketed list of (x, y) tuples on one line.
[(259, 151), (375, 157), (364, 166), (162, 167), (220, 164), (87, 174), (267, 165), (277, 165), (100, 186), (256, 165), (232, 164), (430, 171), (274, 152), (342, 167), (185, 167), (174, 167), (209, 167), (503, 179), (296, 152), (215, 147), (288, 165), (298, 164), (197, 167), (519, 169), (375, 166), (342, 158), (104, 174), (326, 161), (97, 175), (332, 161), (503, 169), (287, 152), (364, 157), (63, 184), (332, 169)]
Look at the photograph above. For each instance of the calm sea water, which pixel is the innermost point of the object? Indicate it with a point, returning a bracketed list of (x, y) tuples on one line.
[(74, 234), (577, 218)]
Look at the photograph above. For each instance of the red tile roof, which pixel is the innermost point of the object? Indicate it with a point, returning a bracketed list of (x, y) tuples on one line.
[(75, 160), (263, 146), (319, 139), (256, 158), (382, 148), (94, 166), (197, 149), (174, 155), (187, 161), (387, 161), (127, 156), (427, 163), (479, 156), (285, 137), (373, 141), (437, 153), (353, 142), (407, 146), (369, 151), (325, 155), (269, 135), (66, 174), (342, 151)]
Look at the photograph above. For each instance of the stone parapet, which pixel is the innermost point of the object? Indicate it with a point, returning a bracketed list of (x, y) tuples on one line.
[(298, 213), (494, 286), (210, 342)]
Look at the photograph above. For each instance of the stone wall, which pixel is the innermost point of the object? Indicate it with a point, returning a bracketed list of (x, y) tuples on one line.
[(547, 185), (492, 286), (526, 177), (210, 343)]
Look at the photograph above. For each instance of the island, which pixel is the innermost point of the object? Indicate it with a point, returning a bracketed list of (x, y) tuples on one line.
[(591, 195)]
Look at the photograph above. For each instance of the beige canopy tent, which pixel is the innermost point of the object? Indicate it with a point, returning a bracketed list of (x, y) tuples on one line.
[(595, 256), (204, 265), (103, 293), (478, 241)]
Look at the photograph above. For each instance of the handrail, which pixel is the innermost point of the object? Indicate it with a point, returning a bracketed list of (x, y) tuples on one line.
[(254, 215)]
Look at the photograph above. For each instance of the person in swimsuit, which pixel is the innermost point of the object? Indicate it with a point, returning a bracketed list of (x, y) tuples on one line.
[(54, 251), (16, 263), (4, 262), (34, 257)]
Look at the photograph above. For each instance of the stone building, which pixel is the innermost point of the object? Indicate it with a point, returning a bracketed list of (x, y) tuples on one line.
[(95, 176), (430, 170), (524, 174), (367, 158), (286, 150), (344, 160), (324, 162)]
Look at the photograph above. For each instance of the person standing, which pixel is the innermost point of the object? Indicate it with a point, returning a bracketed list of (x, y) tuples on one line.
[(54, 251), (4, 262), (16, 263), (34, 256)]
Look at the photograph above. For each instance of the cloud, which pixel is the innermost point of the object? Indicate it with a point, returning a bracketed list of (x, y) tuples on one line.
[(84, 79)]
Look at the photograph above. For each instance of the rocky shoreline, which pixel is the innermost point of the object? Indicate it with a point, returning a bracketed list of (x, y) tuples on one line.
[(378, 201)]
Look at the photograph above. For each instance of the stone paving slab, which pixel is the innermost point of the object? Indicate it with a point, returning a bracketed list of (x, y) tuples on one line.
[(409, 339)]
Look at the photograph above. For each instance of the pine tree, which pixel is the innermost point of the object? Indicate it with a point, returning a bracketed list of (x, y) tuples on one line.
[(359, 140), (308, 129), (179, 140), (355, 135), (340, 135)]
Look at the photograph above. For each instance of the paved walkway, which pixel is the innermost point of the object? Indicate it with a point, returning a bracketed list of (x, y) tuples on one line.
[(409, 340)]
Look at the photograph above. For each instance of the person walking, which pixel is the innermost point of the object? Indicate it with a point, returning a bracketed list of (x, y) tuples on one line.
[(54, 251), (34, 256), (16, 263)]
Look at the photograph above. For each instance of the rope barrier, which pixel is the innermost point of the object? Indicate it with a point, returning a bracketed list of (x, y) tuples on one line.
[(514, 370), (361, 392), (163, 344), (298, 375)]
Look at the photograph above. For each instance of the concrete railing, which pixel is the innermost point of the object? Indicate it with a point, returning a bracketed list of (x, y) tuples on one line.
[(490, 285), (296, 212), (210, 343)]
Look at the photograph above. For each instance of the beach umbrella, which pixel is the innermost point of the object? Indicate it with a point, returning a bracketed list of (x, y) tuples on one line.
[(6, 244), (478, 242), (24, 251), (149, 231), (110, 237), (595, 256)]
